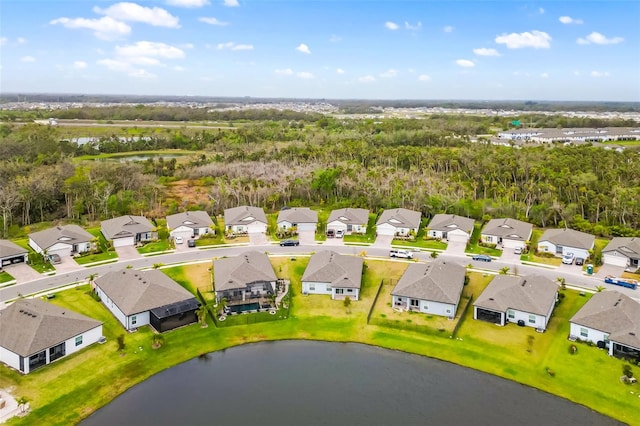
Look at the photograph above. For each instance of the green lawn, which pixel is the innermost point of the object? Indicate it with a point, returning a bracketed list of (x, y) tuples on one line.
[(71, 389), (156, 247), (106, 257), (36, 260), (5, 277), (475, 248), (369, 237)]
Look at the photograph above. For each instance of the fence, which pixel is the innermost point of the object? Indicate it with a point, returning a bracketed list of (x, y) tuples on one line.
[(375, 299), (462, 314)]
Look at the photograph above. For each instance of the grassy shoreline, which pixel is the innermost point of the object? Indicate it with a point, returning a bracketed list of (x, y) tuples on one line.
[(75, 386)]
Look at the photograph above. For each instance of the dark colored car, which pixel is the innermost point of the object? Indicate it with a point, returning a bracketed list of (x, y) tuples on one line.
[(55, 259), (331, 233), (288, 243), (579, 261), (482, 257), (191, 243)]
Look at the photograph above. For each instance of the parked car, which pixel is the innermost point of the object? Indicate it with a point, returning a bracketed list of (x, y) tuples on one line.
[(55, 259), (191, 243), (178, 239), (567, 259), (289, 243), (331, 233), (482, 257), (405, 254), (517, 250), (579, 261), (339, 233)]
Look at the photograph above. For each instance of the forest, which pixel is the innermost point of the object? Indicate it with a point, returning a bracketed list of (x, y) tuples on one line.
[(429, 165)]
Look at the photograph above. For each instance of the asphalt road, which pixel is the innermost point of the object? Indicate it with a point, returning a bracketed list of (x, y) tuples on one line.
[(49, 283)]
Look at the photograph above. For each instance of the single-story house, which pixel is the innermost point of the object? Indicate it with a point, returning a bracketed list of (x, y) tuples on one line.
[(451, 227), (128, 230), (611, 320), (138, 298), (523, 300), (189, 224), (36, 333), (348, 221), (245, 219), (63, 240), (246, 281), (622, 251), (431, 288), (399, 222), (566, 241), (302, 218), (335, 274), (11, 253), (509, 233)]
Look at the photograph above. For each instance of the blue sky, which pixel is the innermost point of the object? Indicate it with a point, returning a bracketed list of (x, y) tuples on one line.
[(520, 50)]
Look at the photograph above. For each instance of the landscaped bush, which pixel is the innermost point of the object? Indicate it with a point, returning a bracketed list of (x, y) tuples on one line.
[(573, 349), (487, 245)]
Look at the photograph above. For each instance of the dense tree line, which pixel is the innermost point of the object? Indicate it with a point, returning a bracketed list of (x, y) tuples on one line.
[(409, 163)]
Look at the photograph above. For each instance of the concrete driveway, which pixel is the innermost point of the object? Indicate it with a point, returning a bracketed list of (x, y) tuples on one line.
[(383, 241), (257, 239), (127, 253), (456, 247), (605, 270), (67, 264), (22, 272), (307, 237), (509, 256)]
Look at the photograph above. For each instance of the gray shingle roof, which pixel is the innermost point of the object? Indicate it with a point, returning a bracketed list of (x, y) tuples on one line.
[(236, 272), (139, 291), (350, 216), (9, 248), (533, 294), (298, 215), (400, 218), (614, 313), (568, 238), (628, 246), (511, 229), (125, 226), (341, 271), (238, 215), (437, 281), (194, 219), (31, 325), (67, 234), (450, 222)]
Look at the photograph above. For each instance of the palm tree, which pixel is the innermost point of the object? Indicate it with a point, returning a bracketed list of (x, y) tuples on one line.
[(504, 271), (221, 306), (347, 304), (22, 402), (201, 313), (91, 278)]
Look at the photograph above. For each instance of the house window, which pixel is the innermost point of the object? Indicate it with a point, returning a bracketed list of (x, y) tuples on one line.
[(510, 314), (134, 320), (312, 287), (584, 332), (605, 338), (78, 340), (415, 303), (488, 238), (349, 290), (448, 311), (339, 291), (532, 319)]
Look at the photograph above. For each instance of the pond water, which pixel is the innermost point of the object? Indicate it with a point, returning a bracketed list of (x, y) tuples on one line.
[(316, 383)]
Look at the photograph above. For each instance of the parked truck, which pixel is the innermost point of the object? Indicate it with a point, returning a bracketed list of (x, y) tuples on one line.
[(624, 282)]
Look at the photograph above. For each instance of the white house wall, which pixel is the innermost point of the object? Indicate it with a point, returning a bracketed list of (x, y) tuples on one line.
[(142, 318), (336, 225), (88, 338), (285, 224), (577, 252), (61, 249), (353, 293), (35, 246), (120, 316), (12, 359), (593, 335), (435, 234), (312, 287), (427, 306), (549, 247), (539, 320)]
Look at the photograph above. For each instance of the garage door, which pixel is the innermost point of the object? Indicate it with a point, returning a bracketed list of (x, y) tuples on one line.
[(457, 238), (64, 252), (122, 242), (512, 243), (256, 227), (306, 227), (186, 235), (489, 316), (386, 229), (11, 260), (611, 259)]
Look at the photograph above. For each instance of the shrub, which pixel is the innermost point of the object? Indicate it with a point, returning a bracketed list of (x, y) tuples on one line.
[(550, 372), (121, 344), (626, 370), (573, 349)]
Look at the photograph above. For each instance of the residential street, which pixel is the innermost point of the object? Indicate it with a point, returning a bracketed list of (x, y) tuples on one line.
[(573, 276)]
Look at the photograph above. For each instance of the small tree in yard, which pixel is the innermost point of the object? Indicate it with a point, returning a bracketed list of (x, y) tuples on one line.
[(121, 344), (201, 313), (347, 304), (434, 254), (22, 402), (626, 370), (504, 271)]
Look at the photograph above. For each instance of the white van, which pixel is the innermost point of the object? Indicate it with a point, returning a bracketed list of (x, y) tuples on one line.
[(405, 254)]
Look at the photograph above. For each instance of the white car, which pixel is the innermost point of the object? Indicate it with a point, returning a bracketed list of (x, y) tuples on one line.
[(404, 254), (339, 233), (178, 239), (567, 259), (517, 250)]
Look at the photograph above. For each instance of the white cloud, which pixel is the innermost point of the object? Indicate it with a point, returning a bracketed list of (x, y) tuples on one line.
[(483, 51), (213, 21), (448, 29), (3, 41), (28, 59), (599, 74), (465, 63), (367, 79), (389, 73), (133, 12), (187, 46), (424, 77), (339, 71), (231, 3), (597, 38), (577, 73), (305, 75), (79, 65), (150, 49), (334, 38), (188, 3), (284, 71), (415, 27), (126, 67), (21, 40), (105, 28), (179, 68), (141, 73), (541, 11), (521, 74), (544, 75), (232, 46), (535, 39), (569, 20), (303, 48), (391, 25)]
